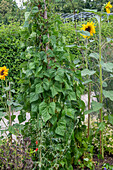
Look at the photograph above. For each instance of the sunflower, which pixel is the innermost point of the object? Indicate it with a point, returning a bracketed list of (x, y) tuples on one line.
[(107, 7), (3, 72), (88, 27)]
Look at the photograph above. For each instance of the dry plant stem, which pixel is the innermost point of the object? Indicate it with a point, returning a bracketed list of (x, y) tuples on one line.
[(10, 123), (89, 89), (40, 148), (45, 17), (101, 97), (2, 118)]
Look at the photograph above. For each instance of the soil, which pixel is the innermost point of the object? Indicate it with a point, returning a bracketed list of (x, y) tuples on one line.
[(99, 162)]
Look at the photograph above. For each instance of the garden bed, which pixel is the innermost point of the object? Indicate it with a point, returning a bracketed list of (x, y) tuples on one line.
[(108, 159)]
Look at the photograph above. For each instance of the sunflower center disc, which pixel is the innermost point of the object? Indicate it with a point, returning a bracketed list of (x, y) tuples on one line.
[(88, 29), (2, 72)]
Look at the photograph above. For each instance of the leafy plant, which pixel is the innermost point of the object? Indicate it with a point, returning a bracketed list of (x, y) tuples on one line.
[(50, 92), (15, 155)]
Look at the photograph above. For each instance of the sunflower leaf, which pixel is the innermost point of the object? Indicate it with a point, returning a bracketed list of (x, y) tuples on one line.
[(94, 55), (73, 45), (98, 18), (108, 94), (109, 39), (86, 33), (87, 72)]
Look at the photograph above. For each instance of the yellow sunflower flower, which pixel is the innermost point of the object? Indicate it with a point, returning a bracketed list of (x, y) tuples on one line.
[(3, 72), (108, 6), (88, 27)]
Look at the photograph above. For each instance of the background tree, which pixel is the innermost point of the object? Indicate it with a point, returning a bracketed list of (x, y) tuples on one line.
[(10, 12)]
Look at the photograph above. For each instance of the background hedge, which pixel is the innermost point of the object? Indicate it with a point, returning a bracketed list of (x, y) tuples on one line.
[(10, 51)]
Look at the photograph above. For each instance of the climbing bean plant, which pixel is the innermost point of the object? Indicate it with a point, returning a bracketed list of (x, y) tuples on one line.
[(51, 88)]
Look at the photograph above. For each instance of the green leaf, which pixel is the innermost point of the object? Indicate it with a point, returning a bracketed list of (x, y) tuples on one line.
[(108, 94), (1, 108), (70, 46), (60, 130), (53, 90), (42, 106), (86, 33), (7, 88), (1, 142), (110, 118), (18, 108), (104, 84), (35, 10), (67, 86), (62, 121), (26, 24), (16, 104), (2, 114), (33, 35), (13, 117), (53, 39), (101, 126), (45, 116), (27, 14), (31, 65), (13, 91), (107, 66), (91, 10), (52, 107), (4, 96), (98, 18), (39, 89), (87, 81), (95, 107), (34, 107), (70, 113), (71, 95), (33, 97), (76, 61), (86, 159), (50, 53), (87, 72), (70, 167), (43, 110), (22, 117), (109, 39), (59, 75), (53, 119), (94, 55), (38, 70), (46, 84), (12, 130), (9, 102)]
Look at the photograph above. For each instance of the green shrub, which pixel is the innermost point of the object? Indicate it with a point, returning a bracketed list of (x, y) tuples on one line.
[(10, 51)]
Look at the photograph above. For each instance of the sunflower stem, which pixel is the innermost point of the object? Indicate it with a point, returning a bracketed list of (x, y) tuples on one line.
[(10, 123), (6, 98), (89, 88)]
